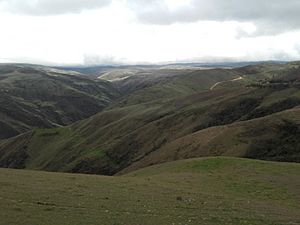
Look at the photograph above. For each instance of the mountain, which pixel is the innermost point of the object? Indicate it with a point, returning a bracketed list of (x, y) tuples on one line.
[(218, 190), (41, 97), (235, 112)]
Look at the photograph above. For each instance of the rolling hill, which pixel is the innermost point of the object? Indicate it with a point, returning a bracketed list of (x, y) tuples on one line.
[(41, 97), (274, 138), (207, 191), (174, 118)]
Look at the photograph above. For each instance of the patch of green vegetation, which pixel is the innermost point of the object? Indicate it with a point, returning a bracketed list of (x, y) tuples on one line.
[(210, 165), (95, 153)]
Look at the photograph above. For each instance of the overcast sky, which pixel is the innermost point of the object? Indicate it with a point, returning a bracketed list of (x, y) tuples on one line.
[(148, 31)]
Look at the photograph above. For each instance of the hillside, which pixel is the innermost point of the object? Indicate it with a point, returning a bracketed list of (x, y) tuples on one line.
[(274, 138), (83, 146), (40, 97), (177, 118), (208, 191)]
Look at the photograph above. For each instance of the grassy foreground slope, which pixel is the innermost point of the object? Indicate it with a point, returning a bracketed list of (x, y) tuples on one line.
[(198, 191)]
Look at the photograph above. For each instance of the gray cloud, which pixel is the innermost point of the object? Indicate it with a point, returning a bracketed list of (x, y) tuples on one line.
[(51, 7), (269, 16)]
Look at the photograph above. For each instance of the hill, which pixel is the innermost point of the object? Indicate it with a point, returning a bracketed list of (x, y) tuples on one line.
[(208, 191), (74, 148), (274, 138), (176, 118), (41, 97)]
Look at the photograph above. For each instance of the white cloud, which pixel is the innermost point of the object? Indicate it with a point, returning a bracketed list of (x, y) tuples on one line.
[(113, 34)]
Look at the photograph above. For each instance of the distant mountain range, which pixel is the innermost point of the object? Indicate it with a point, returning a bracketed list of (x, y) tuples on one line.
[(97, 70)]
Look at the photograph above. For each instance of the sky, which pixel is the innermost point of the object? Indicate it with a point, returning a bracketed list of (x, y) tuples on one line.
[(89, 32)]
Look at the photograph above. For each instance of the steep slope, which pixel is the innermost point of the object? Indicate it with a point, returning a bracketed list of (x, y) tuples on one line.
[(275, 137), (40, 97), (208, 191)]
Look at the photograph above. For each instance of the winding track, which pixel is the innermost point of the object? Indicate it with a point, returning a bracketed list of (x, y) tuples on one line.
[(218, 83)]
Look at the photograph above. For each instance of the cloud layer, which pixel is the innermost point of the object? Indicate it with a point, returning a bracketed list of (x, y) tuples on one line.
[(148, 31), (269, 16), (51, 7)]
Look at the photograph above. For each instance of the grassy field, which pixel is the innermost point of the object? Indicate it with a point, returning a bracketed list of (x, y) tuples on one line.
[(197, 191)]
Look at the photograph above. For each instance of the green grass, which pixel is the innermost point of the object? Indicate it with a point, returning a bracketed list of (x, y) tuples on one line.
[(95, 153), (198, 191)]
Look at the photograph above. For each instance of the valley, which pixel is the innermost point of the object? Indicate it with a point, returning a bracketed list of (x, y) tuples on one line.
[(40, 97)]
